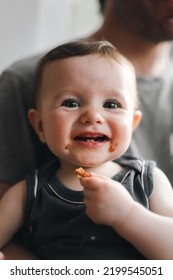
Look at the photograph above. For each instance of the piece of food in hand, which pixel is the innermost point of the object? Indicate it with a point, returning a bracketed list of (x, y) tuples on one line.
[(80, 172)]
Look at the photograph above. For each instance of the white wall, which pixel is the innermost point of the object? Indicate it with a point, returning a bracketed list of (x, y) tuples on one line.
[(31, 26)]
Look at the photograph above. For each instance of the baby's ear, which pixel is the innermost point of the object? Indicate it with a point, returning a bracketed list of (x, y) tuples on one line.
[(136, 119), (36, 122)]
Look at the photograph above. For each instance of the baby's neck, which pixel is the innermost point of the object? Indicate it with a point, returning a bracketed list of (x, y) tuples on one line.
[(66, 173)]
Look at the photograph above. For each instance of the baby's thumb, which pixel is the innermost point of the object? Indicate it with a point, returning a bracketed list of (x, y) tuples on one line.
[(89, 183)]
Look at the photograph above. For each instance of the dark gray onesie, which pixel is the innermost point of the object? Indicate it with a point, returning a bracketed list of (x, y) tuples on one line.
[(58, 226)]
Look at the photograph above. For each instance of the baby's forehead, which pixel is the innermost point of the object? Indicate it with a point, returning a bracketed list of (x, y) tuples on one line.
[(122, 67), (116, 62), (88, 62), (113, 60)]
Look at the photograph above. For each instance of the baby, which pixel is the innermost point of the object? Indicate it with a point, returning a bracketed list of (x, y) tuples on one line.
[(86, 109)]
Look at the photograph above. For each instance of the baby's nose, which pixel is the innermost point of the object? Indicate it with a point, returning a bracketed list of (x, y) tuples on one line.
[(92, 117)]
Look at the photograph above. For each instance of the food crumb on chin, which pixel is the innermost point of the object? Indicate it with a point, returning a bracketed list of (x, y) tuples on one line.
[(111, 148), (68, 146)]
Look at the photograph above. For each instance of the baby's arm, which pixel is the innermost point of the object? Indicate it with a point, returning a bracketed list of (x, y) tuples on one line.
[(12, 207), (107, 202)]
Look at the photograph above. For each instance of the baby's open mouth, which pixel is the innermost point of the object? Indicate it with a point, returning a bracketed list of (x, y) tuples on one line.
[(92, 138)]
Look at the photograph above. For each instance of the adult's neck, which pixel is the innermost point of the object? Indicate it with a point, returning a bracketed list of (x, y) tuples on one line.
[(148, 58)]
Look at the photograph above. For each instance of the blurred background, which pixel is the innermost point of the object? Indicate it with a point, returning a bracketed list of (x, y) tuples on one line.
[(28, 27)]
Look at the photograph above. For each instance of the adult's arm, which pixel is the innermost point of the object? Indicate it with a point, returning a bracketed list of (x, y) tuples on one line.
[(18, 144)]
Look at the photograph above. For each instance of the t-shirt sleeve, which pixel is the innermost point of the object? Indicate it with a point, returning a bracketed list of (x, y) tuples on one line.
[(20, 148)]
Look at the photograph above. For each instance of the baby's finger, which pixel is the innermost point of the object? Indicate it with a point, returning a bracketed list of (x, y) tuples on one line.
[(89, 183)]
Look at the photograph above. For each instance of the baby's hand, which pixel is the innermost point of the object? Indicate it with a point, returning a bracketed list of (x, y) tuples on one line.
[(107, 201), (2, 257)]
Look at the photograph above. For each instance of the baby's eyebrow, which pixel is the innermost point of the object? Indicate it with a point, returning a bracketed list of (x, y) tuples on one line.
[(119, 92), (121, 95), (59, 95), (69, 92)]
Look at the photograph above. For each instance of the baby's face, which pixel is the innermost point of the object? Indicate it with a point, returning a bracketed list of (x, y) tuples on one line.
[(87, 109)]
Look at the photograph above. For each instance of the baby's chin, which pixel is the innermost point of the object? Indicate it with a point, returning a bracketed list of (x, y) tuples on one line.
[(90, 158), (88, 164)]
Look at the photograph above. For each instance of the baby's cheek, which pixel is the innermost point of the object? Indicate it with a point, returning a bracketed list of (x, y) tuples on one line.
[(121, 135)]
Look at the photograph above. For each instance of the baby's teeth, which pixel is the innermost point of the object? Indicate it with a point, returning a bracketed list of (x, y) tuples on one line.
[(90, 140)]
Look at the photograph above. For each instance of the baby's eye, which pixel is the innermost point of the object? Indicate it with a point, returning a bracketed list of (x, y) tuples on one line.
[(71, 103), (111, 104)]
